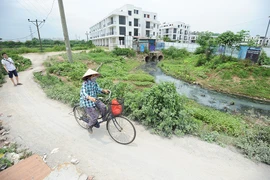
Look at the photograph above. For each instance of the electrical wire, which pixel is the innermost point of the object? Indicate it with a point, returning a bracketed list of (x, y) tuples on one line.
[(36, 30), (35, 8), (26, 8)]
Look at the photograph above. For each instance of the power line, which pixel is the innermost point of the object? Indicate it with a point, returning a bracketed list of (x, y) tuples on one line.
[(43, 6), (50, 10), (35, 8), (31, 34), (25, 8)]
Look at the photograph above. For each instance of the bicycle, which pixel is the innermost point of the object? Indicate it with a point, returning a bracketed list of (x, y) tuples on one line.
[(119, 127)]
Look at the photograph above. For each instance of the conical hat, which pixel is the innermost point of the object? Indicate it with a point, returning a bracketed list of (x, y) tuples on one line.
[(89, 72)]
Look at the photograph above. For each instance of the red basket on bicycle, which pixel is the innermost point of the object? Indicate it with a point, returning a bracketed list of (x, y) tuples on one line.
[(117, 107)]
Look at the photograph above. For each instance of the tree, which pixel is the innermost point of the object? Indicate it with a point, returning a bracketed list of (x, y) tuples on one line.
[(231, 40), (35, 41), (166, 39), (57, 42), (10, 44), (207, 44), (28, 43)]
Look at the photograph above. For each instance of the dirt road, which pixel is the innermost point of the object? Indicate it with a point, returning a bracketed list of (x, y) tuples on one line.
[(43, 124)]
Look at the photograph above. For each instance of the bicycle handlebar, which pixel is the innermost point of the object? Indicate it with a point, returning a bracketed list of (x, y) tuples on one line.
[(108, 98)]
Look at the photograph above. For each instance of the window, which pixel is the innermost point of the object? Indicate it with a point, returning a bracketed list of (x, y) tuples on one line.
[(130, 13), (167, 30), (154, 25), (136, 32), (174, 36), (147, 24), (178, 26), (130, 33), (148, 16), (155, 16), (145, 15), (174, 30), (122, 20), (136, 11), (154, 33), (136, 22), (122, 40), (180, 31), (122, 30), (130, 23), (147, 32)]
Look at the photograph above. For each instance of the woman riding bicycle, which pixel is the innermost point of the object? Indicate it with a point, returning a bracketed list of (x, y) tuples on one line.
[(88, 98)]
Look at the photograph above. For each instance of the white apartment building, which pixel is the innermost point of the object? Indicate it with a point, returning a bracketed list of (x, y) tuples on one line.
[(122, 25), (260, 39), (176, 31)]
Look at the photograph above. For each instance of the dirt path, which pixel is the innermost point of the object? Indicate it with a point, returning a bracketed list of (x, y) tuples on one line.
[(43, 124)]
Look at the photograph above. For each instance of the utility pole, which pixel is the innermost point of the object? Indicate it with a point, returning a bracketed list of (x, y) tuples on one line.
[(37, 24), (266, 31), (31, 32), (87, 35), (65, 31)]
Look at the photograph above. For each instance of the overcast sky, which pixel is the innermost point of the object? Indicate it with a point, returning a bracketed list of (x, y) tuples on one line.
[(202, 15)]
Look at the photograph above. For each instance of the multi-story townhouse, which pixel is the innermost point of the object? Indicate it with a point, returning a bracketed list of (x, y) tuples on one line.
[(176, 31), (261, 40), (122, 25)]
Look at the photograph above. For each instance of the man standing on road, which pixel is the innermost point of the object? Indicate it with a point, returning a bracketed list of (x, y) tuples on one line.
[(9, 66)]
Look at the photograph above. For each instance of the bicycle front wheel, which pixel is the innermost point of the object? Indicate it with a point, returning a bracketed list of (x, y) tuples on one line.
[(121, 130), (80, 116)]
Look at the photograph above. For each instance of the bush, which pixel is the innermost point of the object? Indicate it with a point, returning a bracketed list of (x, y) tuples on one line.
[(264, 59), (58, 90), (201, 60), (199, 50), (175, 53), (162, 109), (124, 52), (256, 144), (141, 77), (218, 121)]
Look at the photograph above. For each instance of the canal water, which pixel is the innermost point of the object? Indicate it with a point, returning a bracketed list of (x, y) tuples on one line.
[(217, 100)]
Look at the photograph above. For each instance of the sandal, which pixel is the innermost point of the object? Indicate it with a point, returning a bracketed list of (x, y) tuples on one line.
[(19, 83)]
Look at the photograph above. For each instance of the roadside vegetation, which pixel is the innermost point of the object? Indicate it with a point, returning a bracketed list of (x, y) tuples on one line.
[(158, 107), (14, 49)]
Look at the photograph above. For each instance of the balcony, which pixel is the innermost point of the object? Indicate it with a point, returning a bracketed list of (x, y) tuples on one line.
[(111, 23), (111, 33), (137, 25)]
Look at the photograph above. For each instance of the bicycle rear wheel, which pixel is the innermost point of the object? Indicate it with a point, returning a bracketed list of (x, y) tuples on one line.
[(121, 130), (80, 116)]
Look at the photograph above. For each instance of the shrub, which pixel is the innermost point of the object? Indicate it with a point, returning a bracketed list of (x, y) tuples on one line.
[(201, 60), (199, 50), (124, 52), (141, 77), (175, 53), (264, 59), (256, 144), (162, 109)]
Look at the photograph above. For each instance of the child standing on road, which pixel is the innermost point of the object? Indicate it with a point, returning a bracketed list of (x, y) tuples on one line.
[(88, 98), (9, 66)]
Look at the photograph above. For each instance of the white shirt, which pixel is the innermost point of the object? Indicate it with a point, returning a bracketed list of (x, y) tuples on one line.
[(9, 65)]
